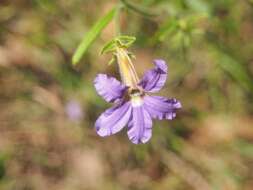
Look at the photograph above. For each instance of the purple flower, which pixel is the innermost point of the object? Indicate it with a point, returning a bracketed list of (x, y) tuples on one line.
[(74, 110), (133, 104)]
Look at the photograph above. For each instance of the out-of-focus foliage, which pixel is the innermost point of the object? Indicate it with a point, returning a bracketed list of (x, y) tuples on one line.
[(48, 107), (92, 35)]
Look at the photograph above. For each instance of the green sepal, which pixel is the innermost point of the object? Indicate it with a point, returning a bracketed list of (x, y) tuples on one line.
[(109, 47), (113, 59), (120, 41), (131, 55), (126, 41)]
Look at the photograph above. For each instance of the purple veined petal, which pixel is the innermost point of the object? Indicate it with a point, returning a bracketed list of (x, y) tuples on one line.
[(154, 79), (113, 119), (161, 108), (140, 126), (109, 88)]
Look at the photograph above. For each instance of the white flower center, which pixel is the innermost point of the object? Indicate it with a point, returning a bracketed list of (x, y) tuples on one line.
[(136, 101)]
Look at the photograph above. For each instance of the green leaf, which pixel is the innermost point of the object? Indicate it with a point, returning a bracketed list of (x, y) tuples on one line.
[(91, 35)]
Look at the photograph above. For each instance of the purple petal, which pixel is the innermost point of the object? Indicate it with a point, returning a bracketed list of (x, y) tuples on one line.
[(155, 79), (161, 108), (140, 126), (113, 119), (109, 88)]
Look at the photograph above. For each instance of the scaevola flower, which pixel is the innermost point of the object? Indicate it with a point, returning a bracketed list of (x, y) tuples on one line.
[(134, 106)]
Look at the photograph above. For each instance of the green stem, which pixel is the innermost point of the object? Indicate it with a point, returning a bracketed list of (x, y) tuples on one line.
[(138, 9), (118, 20)]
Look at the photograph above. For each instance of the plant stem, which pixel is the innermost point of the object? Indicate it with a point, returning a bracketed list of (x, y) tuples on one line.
[(118, 20), (138, 9)]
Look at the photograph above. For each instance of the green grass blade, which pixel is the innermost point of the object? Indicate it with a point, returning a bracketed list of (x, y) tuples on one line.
[(91, 35)]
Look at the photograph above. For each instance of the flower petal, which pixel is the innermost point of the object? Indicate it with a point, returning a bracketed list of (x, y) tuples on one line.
[(161, 108), (154, 79), (140, 126), (109, 87), (113, 119)]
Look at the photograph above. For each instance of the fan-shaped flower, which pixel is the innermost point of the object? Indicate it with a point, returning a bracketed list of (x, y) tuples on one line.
[(134, 106)]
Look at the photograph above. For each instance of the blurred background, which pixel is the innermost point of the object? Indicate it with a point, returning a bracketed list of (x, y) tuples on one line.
[(48, 107)]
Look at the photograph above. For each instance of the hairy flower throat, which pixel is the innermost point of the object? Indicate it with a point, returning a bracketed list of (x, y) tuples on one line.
[(127, 70)]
